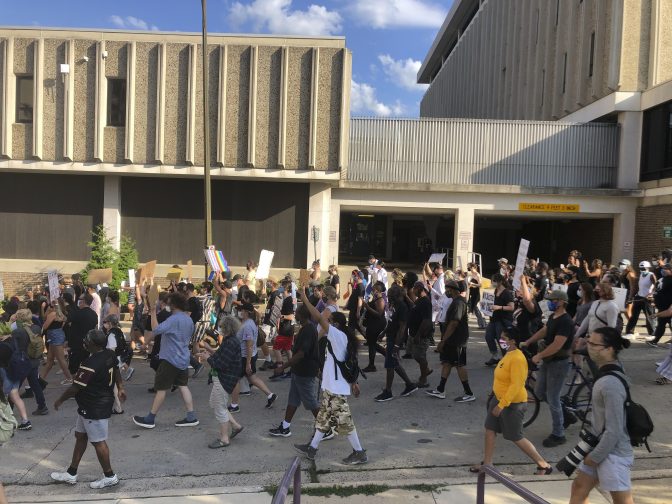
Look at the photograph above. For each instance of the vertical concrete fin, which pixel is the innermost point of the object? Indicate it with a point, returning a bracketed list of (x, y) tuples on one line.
[(344, 137), (161, 102), (221, 113), (38, 97), (8, 97), (69, 104), (282, 126), (314, 89), (191, 103), (130, 102), (101, 103), (252, 109)]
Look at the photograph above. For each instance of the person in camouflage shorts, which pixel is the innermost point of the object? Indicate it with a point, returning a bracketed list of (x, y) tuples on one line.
[(334, 414)]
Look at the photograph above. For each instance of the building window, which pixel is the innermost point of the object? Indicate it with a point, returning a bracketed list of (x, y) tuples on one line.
[(564, 75), (24, 99), (591, 62), (116, 102), (657, 143)]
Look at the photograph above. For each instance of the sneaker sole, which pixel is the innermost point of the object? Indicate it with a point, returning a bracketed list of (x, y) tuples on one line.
[(72, 483), (435, 396), (384, 400), (468, 400), (190, 424), (406, 394), (107, 485), (276, 434), (144, 425), (357, 462)]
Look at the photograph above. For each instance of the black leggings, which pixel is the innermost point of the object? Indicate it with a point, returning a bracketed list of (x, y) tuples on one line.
[(372, 333)]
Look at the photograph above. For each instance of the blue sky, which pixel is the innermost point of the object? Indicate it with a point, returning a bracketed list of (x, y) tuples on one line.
[(388, 38)]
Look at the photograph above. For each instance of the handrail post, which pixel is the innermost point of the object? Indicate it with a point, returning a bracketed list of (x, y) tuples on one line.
[(480, 488), (297, 485)]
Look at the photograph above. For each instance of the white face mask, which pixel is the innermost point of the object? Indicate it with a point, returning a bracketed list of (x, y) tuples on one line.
[(622, 267), (579, 293)]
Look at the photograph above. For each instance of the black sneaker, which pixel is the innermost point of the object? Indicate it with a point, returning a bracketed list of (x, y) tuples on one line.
[(652, 344), (306, 450), (246, 393), (141, 421), (409, 390), (329, 435), (369, 369), (151, 390), (552, 441), (386, 395), (356, 457), (280, 431), (43, 383), (492, 362), (25, 425), (187, 423), (41, 411), (27, 394), (271, 400), (234, 409)]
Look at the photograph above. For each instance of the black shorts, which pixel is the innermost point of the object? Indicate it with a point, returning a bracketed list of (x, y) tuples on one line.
[(454, 355), (253, 364), (168, 375)]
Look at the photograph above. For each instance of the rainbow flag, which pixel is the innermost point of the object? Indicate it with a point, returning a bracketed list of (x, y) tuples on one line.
[(216, 260)]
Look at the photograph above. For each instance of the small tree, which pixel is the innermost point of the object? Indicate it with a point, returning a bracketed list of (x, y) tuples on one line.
[(103, 256), (128, 256)]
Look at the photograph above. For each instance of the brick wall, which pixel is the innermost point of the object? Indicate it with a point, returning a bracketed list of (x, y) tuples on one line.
[(649, 231)]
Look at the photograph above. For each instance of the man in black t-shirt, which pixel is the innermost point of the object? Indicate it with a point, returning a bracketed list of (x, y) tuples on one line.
[(355, 301), (82, 321), (305, 364), (663, 299), (553, 358), (421, 330), (453, 345), (93, 390)]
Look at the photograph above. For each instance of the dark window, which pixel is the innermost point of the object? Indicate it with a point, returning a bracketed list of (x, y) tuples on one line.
[(591, 63), (657, 143), (116, 102), (24, 99), (564, 75)]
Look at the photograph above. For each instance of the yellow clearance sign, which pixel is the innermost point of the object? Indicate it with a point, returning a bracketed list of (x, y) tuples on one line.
[(549, 207)]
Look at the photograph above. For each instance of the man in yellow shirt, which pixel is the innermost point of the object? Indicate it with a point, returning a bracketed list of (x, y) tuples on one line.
[(507, 404)]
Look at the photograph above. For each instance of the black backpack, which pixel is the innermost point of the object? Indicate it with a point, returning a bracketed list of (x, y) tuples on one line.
[(349, 367), (637, 419), (19, 363)]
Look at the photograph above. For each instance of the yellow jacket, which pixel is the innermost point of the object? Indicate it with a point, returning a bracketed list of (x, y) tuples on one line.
[(510, 377)]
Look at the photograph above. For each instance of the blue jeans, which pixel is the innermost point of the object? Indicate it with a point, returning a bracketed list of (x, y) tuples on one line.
[(493, 332), (34, 382), (550, 381)]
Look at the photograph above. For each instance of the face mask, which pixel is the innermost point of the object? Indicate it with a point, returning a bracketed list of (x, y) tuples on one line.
[(503, 344), (495, 284), (168, 308), (579, 293), (621, 267), (552, 306)]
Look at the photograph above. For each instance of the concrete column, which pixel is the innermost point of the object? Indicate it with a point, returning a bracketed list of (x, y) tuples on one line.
[(314, 90), (69, 105), (252, 111), (130, 103), (8, 98), (221, 111), (38, 98), (282, 127), (191, 103), (464, 235), (629, 149), (334, 233), (101, 102), (623, 240), (161, 102), (112, 208), (319, 209)]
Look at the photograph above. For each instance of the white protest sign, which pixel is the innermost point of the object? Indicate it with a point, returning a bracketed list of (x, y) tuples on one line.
[(264, 268), (487, 302), (545, 312), (436, 258), (131, 278), (559, 287), (54, 289), (620, 296), (521, 260), (2, 290)]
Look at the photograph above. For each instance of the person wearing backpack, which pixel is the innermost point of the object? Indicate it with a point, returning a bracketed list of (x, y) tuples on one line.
[(610, 462), (26, 329), (339, 380)]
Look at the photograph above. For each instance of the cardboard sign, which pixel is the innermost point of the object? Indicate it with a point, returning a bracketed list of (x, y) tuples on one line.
[(304, 277), (545, 312), (275, 311), (174, 274), (436, 258), (264, 268), (521, 260), (620, 295), (54, 289), (216, 259), (153, 295), (559, 287), (131, 278), (99, 276), (487, 302), (147, 271), (190, 270)]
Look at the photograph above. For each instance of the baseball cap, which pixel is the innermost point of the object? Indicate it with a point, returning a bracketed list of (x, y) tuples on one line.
[(557, 295), (248, 307), (421, 285), (236, 277)]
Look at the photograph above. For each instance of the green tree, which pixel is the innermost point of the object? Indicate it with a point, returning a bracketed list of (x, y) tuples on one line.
[(128, 256), (103, 254)]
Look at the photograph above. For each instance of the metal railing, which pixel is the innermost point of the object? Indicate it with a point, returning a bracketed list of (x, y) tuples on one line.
[(507, 482), (293, 473)]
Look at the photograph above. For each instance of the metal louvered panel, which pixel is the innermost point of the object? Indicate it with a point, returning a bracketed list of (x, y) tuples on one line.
[(470, 151)]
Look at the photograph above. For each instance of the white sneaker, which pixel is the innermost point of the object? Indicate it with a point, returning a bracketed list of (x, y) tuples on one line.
[(64, 477), (629, 336), (104, 482), (129, 373), (435, 393), (649, 338)]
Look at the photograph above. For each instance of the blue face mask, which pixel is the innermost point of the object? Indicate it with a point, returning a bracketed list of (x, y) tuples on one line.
[(552, 306)]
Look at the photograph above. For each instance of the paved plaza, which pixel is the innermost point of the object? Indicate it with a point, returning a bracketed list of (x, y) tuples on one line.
[(410, 441)]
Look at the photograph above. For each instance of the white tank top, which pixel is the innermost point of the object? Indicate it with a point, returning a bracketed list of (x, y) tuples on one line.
[(645, 285)]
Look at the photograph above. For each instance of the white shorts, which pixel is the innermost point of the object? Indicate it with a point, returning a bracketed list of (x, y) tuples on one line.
[(219, 401), (96, 430), (613, 473)]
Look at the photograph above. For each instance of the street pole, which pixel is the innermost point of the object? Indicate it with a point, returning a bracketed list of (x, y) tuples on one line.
[(206, 136)]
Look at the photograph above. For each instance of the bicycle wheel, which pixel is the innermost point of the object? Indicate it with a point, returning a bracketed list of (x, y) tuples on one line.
[(581, 400), (533, 406)]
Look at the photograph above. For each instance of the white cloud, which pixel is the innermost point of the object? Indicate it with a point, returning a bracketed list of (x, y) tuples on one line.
[(398, 13), (132, 23), (363, 100), (403, 73), (277, 16)]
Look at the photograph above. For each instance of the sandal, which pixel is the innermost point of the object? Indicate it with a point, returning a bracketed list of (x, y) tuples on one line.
[(235, 432), (544, 471), (218, 443), (663, 381), (476, 468)]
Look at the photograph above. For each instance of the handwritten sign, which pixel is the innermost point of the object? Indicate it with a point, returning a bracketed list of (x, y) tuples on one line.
[(436, 258), (99, 276), (131, 278), (620, 296), (265, 261), (54, 289), (153, 295), (487, 302), (174, 274), (521, 260), (304, 277)]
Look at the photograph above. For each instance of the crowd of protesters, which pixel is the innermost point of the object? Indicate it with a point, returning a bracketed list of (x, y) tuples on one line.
[(304, 333)]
